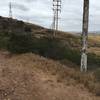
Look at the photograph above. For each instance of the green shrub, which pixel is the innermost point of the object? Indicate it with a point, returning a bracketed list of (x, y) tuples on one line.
[(97, 74), (93, 61), (20, 43), (53, 48), (3, 42)]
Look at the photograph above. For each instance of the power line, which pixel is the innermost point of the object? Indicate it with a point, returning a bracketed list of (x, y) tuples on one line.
[(85, 36), (56, 10)]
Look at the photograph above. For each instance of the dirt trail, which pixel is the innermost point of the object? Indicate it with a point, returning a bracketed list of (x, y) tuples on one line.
[(20, 79)]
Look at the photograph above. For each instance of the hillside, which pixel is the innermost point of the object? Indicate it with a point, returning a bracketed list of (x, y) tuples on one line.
[(8, 25), (29, 76), (95, 44), (31, 59), (20, 37)]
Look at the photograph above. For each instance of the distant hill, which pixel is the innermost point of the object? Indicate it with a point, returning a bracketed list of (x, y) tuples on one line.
[(14, 25), (95, 33)]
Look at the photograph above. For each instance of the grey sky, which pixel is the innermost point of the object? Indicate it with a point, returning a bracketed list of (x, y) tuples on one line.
[(40, 12)]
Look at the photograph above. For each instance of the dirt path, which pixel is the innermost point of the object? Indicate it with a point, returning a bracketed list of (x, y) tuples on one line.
[(20, 80)]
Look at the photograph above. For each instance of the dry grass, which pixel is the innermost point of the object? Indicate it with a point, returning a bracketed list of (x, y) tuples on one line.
[(95, 50), (66, 74), (94, 44), (95, 38), (23, 72)]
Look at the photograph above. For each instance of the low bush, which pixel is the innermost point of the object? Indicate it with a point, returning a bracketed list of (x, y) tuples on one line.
[(97, 74), (20, 43)]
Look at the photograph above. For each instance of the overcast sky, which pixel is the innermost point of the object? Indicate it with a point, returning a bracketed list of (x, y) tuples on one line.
[(40, 12)]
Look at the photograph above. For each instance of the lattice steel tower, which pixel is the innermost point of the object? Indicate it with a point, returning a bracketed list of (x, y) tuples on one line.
[(85, 36), (10, 9), (56, 10)]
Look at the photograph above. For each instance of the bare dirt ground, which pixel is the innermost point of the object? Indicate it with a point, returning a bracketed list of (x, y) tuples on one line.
[(22, 78)]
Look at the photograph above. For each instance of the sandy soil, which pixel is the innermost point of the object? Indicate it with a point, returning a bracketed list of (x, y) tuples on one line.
[(22, 79)]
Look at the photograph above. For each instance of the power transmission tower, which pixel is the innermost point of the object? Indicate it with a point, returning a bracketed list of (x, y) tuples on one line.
[(10, 17), (85, 36), (10, 9), (56, 10)]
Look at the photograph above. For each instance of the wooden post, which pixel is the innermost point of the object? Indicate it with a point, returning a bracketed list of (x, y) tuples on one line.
[(85, 35)]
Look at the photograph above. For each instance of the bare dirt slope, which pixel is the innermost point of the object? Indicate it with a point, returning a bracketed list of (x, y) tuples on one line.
[(26, 77)]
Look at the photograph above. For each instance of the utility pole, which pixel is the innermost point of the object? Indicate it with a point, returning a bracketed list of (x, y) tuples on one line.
[(85, 36), (56, 10), (10, 10)]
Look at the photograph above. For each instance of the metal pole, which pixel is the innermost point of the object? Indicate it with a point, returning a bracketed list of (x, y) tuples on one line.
[(56, 9), (57, 15)]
